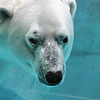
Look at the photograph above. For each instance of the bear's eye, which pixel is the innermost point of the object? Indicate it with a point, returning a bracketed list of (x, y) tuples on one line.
[(65, 40), (33, 41), (62, 39)]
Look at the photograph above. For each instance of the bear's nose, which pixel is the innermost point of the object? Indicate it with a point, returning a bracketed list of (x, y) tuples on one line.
[(54, 78)]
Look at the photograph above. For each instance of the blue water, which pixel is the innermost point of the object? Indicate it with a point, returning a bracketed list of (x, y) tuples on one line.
[(82, 81)]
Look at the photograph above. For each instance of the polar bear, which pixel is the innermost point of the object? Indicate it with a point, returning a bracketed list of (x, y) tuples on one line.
[(36, 35)]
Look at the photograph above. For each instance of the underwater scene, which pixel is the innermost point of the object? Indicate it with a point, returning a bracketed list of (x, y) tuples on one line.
[(82, 79)]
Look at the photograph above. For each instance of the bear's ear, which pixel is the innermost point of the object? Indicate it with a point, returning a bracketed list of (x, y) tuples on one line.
[(72, 5), (5, 13)]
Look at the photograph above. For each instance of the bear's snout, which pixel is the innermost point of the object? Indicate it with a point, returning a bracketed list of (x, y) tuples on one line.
[(51, 64), (52, 78)]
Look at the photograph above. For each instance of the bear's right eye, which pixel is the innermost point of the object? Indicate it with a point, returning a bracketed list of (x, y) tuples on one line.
[(33, 41)]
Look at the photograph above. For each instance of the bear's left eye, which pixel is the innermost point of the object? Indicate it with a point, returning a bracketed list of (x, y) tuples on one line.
[(65, 40), (33, 41), (62, 39)]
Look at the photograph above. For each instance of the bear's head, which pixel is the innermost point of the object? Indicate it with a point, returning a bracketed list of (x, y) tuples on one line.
[(40, 36)]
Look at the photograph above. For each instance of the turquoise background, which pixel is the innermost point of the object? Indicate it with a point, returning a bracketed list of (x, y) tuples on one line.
[(82, 81)]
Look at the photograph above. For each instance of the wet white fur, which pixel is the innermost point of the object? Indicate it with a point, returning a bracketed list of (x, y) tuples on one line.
[(23, 18)]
